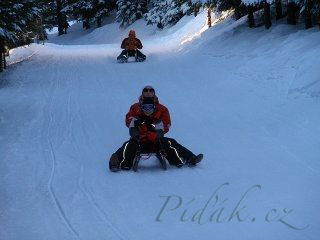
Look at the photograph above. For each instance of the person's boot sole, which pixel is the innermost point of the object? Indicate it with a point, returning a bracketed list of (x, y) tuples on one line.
[(114, 163), (196, 160)]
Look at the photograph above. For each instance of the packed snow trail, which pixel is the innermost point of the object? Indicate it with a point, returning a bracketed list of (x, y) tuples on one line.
[(62, 116)]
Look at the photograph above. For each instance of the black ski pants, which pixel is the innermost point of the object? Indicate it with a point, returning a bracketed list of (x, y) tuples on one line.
[(176, 154), (132, 53)]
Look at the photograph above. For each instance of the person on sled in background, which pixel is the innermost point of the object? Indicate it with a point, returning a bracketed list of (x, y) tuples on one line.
[(131, 45), (148, 121)]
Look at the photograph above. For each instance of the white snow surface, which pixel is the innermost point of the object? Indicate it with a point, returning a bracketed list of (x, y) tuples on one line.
[(20, 54), (248, 99)]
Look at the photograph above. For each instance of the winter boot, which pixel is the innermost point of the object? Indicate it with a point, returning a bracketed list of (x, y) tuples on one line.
[(179, 165), (140, 58), (194, 160), (122, 59), (114, 164)]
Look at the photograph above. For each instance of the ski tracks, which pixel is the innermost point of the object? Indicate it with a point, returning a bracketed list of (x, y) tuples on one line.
[(81, 116), (48, 112), (68, 129)]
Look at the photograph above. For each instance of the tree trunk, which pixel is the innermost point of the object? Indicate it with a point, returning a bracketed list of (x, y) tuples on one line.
[(278, 9), (267, 15), (60, 18), (86, 20), (308, 16), (250, 17), (209, 17), (160, 25), (65, 24), (237, 12), (196, 8), (87, 23), (291, 18), (99, 23), (4, 61), (1, 61)]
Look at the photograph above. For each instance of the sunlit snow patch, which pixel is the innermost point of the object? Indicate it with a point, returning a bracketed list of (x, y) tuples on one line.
[(216, 17)]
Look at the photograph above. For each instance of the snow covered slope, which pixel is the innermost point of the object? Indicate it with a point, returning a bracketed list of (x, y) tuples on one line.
[(246, 98)]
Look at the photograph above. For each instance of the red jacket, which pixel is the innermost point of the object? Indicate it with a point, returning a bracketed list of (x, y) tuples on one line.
[(161, 114)]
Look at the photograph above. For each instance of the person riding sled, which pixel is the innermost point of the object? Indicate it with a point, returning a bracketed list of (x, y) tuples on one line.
[(131, 45), (148, 121)]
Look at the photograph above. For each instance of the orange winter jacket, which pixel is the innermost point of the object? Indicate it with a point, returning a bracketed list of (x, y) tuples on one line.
[(131, 44), (161, 114)]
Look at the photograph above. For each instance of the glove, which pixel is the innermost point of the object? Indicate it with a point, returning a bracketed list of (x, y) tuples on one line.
[(152, 136), (160, 133), (134, 133), (143, 138), (143, 129)]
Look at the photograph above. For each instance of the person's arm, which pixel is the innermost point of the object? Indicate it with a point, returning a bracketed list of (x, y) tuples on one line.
[(133, 129), (159, 129), (139, 45), (138, 129), (165, 117), (124, 44), (134, 133), (131, 114)]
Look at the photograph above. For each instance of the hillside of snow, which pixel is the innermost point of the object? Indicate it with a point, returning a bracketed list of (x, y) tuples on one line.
[(248, 99)]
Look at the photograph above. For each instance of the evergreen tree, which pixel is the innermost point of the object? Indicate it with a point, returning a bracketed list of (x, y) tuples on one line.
[(80, 10), (17, 20), (102, 8), (156, 14), (168, 12), (89, 11), (316, 12), (52, 15), (130, 10)]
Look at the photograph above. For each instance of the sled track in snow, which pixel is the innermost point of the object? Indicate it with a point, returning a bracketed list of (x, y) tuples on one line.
[(57, 203), (102, 215), (100, 212), (55, 198)]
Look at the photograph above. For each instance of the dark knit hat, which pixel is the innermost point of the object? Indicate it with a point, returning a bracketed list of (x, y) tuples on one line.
[(148, 87)]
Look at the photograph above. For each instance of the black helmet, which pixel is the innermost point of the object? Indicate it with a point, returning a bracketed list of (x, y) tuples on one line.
[(148, 88)]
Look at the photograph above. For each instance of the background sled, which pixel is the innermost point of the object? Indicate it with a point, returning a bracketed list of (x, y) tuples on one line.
[(130, 58)]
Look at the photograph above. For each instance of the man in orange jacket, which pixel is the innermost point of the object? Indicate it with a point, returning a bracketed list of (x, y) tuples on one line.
[(148, 121), (131, 45)]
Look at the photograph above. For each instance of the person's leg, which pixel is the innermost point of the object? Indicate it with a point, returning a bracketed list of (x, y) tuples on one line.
[(173, 155), (183, 152), (140, 55), (123, 53), (178, 153), (148, 147), (124, 156), (131, 53)]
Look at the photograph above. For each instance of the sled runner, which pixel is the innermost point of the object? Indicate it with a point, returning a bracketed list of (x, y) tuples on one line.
[(130, 58), (141, 154)]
